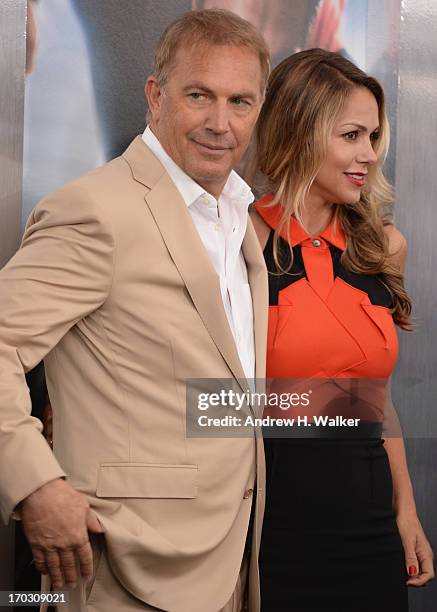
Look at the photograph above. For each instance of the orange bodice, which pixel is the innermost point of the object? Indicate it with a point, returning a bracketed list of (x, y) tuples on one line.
[(325, 321)]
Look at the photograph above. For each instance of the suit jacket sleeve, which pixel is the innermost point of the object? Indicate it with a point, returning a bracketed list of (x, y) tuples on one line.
[(61, 273)]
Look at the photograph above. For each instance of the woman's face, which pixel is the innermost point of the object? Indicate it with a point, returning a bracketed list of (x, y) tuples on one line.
[(350, 151)]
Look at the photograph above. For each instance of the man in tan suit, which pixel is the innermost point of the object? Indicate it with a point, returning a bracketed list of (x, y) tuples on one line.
[(131, 280)]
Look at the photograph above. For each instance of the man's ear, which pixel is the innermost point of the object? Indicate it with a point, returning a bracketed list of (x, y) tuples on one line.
[(154, 95)]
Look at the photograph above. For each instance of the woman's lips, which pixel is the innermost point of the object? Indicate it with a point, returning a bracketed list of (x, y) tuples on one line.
[(356, 178)]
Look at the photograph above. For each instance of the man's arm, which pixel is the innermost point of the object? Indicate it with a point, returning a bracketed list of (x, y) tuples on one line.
[(61, 274)]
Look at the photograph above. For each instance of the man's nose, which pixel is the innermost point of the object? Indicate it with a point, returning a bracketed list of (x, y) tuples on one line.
[(218, 118)]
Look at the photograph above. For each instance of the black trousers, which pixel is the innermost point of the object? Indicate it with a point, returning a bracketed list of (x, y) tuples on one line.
[(26, 577)]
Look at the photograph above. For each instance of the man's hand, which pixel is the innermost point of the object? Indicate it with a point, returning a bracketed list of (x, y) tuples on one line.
[(56, 520)]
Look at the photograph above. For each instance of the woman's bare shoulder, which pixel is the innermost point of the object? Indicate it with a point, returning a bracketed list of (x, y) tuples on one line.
[(397, 245)]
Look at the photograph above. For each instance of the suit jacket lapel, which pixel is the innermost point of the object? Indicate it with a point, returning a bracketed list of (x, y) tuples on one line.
[(186, 249), (258, 281)]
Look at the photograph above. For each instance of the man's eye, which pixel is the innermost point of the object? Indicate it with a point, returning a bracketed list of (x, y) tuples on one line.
[(351, 135), (239, 102), (196, 95)]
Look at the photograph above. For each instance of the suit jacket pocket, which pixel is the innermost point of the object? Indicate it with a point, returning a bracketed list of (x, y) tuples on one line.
[(152, 480)]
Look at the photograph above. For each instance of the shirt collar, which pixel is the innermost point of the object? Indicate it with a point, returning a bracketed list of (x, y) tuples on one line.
[(235, 188), (189, 189), (272, 215)]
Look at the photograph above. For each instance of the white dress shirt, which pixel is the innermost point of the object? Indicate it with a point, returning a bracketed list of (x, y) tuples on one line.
[(222, 236)]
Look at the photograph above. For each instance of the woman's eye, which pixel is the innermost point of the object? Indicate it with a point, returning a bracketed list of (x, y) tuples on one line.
[(374, 136), (351, 135)]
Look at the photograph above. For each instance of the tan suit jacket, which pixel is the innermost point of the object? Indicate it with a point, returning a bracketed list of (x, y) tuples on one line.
[(113, 287)]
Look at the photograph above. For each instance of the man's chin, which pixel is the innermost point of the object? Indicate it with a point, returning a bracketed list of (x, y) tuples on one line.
[(213, 183), (210, 172)]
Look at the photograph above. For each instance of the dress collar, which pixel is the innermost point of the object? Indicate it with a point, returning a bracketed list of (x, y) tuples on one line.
[(272, 215)]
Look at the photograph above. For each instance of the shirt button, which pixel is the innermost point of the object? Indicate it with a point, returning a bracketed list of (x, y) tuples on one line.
[(317, 242), (216, 227), (247, 493)]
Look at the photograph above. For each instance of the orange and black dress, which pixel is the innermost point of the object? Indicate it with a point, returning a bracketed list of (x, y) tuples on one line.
[(330, 540)]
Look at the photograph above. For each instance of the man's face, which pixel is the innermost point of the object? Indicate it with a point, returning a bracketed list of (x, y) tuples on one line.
[(205, 113)]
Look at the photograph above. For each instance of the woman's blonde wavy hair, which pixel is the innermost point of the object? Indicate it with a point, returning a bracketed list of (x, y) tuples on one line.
[(305, 95)]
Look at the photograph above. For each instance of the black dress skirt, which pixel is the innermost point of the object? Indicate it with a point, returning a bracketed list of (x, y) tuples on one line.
[(330, 540)]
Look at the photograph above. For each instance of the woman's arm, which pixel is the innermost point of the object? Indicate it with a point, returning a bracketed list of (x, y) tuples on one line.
[(418, 553)]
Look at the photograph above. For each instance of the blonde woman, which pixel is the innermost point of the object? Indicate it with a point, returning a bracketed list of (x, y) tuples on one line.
[(334, 537)]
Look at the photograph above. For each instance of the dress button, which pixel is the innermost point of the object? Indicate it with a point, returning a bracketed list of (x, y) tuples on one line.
[(247, 493), (316, 242)]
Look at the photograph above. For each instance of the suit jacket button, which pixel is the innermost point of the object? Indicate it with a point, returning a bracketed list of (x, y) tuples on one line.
[(247, 493)]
